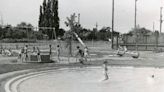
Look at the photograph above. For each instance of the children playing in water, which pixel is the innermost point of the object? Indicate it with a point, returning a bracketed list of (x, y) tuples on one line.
[(105, 70), (23, 55), (80, 55)]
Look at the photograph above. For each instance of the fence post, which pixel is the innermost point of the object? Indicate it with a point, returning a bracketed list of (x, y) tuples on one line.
[(146, 42), (156, 36)]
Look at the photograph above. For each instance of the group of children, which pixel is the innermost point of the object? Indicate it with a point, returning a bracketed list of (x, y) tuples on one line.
[(24, 57), (6, 52), (82, 55), (23, 54)]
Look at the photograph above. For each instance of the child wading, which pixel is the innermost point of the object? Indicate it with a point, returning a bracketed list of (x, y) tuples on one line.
[(22, 54), (80, 55), (86, 53), (38, 54), (58, 53), (105, 68), (26, 53)]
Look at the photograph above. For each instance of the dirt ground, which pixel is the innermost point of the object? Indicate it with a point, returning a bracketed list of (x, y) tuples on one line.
[(146, 59), (99, 51)]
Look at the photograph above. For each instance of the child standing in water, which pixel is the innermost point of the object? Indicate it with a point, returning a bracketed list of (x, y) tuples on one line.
[(86, 53), (22, 55), (105, 70), (38, 54), (26, 52), (58, 53)]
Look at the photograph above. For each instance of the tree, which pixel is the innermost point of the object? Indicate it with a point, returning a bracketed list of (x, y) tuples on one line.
[(71, 23), (49, 18), (55, 17), (138, 35), (61, 32), (41, 18)]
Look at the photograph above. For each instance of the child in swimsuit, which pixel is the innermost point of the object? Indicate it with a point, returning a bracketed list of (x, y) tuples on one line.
[(80, 55), (105, 68), (86, 53), (38, 54), (58, 53)]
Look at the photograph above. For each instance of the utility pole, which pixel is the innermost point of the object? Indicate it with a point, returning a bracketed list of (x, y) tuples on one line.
[(96, 26), (153, 26), (79, 19), (1, 19), (135, 24), (112, 23), (161, 19), (135, 17)]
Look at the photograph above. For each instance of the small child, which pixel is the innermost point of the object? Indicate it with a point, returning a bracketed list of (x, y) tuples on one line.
[(26, 53), (80, 55), (38, 54), (34, 50), (105, 68), (58, 53), (86, 53), (22, 54)]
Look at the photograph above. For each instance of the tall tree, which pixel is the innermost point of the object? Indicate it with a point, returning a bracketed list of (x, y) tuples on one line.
[(49, 17), (41, 17), (55, 19)]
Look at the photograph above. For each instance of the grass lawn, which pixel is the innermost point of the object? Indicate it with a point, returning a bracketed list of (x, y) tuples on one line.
[(99, 48)]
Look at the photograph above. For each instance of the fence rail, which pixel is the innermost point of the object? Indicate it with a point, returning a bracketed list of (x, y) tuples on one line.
[(142, 47)]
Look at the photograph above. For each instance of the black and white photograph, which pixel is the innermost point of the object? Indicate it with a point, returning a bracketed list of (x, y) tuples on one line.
[(81, 46)]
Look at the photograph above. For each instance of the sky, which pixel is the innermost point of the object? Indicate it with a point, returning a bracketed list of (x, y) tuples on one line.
[(92, 11)]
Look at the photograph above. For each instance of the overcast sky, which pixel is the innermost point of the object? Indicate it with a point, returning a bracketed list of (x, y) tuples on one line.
[(92, 11)]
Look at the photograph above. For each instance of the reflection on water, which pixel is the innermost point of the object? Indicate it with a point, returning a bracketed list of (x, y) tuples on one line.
[(89, 80)]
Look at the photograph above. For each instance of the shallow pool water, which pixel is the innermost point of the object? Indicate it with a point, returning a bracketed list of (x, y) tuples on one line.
[(121, 79)]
